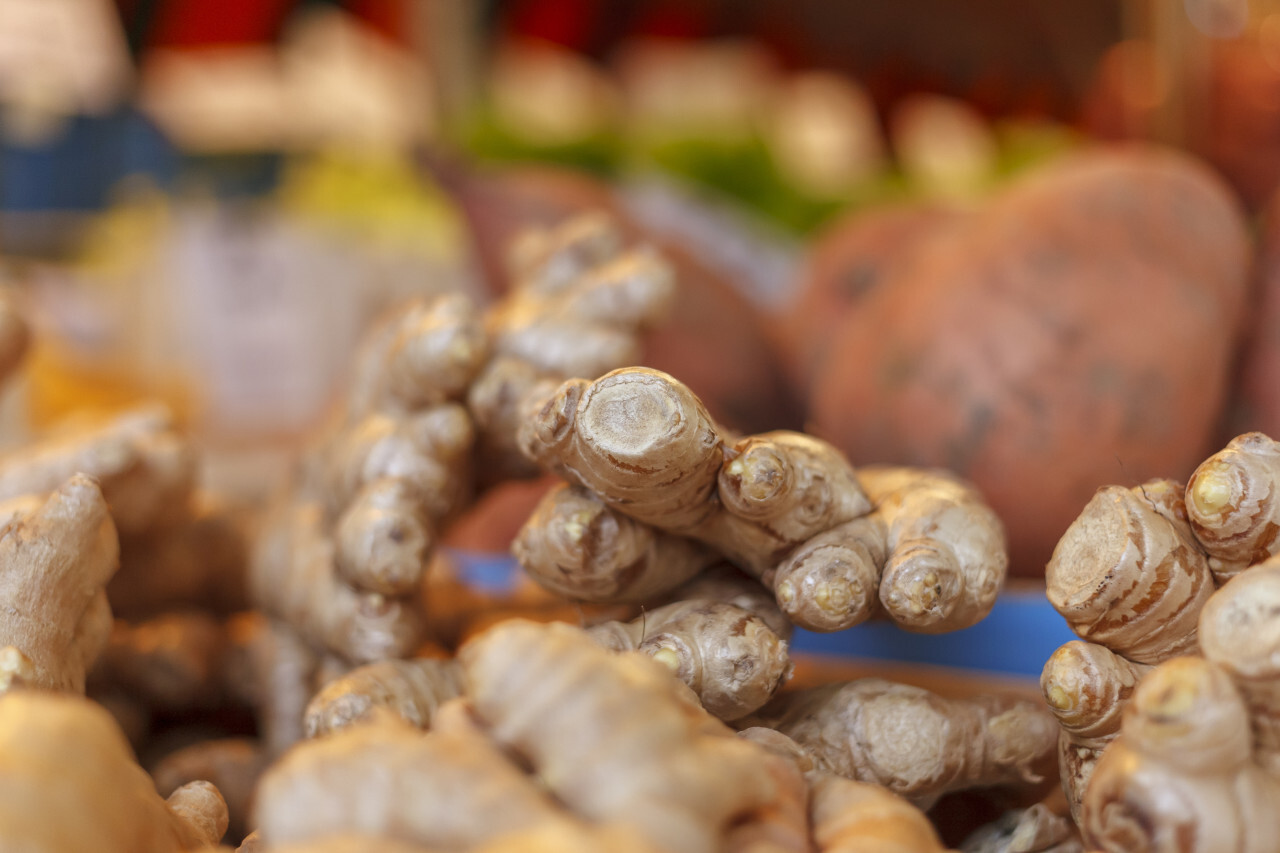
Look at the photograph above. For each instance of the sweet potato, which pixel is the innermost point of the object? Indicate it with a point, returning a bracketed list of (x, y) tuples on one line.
[(1077, 331), (847, 262), (1256, 407)]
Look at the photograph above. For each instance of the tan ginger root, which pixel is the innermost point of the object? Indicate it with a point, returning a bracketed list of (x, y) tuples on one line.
[(729, 656), (1233, 505), (412, 690), (55, 561), (1086, 687), (1129, 574), (612, 736), (577, 546), (232, 765), (781, 825), (859, 817), (579, 303), (69, 782), (144, 468), (426, 354), (784, 506), (913, 742), (1180, 776), (1240, 633), (449, 788), (947, 556), (293, 577)]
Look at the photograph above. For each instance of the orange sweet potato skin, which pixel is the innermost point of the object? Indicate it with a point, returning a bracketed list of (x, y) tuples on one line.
[(1078, 331), (1257, 403), (846, 263)]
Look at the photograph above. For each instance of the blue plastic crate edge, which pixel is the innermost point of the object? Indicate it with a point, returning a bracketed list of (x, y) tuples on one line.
[(1016, 638)]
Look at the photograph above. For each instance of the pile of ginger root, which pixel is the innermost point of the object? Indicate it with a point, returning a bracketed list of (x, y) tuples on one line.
[(317, 674), (1169, 703)]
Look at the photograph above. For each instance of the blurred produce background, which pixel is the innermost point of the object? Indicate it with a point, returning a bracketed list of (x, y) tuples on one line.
[(888, 218)]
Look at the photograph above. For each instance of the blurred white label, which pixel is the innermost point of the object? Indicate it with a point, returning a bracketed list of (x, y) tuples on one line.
[(271, 313)]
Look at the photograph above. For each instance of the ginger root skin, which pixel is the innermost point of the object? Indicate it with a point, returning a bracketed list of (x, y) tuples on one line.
[(579, 712), (293, 577), (729, 656), (1086, 687), (1130, 575), (55, 562), (947, 552), (1233, 505), (1239, 633), (577, 546), (915, 743), (109, 804), (449, 788), (412, 690), (144, 468), (1180, 776), (860, 817)]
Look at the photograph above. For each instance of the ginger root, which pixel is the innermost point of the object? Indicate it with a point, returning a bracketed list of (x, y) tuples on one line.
[(144, 468), (1129, 574), (1180, 777), (544, 691), (915, 743), (1240, 634), (1086, 687), (412, 690), (577, 546), (1233, 506), (102, 800), (55, 561), (784, 506), (729, 656), (859, 817)]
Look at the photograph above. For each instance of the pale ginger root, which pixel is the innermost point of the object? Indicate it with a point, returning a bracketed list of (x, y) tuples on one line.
[(383, 538), (860, 817), (1240, 633), (293, 577), (449, 788), (916, 743), (1129, 574), (232, 765), (429, 449), (428, 353), (729, 656), (612, 736), (55, 561), (784, 506), (1086, 687), (412, 690), (575, 545), (1180, 777), (1035, 829), (69, 783), (1233, 505), (782, 824), (723, 582), (947, 555), (145, 469)]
